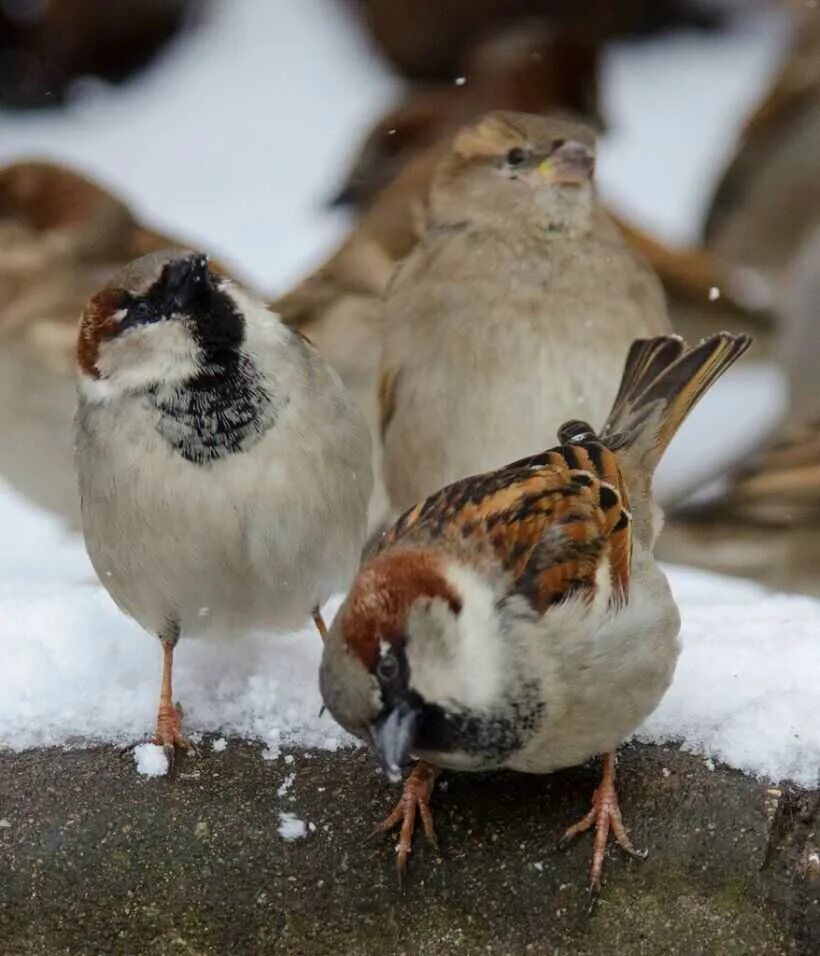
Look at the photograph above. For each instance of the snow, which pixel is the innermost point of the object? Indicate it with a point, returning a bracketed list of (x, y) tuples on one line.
[(150, 760), (291, 827), (234, 140), (745, 689), (286, 784)]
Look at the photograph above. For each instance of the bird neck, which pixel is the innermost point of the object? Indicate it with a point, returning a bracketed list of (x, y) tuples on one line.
[(225, 408)]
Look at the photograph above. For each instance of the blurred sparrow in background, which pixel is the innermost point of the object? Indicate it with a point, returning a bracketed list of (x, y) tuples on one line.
[(61, 238), (514, 312)]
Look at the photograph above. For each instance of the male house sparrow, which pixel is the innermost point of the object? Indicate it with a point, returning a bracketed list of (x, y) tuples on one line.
[(517, 619), (62, 237), (515, 311), (224, 471)]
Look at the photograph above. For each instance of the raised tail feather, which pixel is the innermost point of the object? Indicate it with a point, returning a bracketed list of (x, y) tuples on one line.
[(661, 383)]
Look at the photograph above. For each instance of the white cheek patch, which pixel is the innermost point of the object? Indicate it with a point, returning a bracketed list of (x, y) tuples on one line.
[(164, 352), (458, 657), (98, 390)]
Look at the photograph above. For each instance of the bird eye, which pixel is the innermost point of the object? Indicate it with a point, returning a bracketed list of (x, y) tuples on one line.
[(388, 668), (140, 313), (516, 156)]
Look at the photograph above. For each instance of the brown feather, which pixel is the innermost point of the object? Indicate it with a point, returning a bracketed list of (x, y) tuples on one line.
[(544, 522)]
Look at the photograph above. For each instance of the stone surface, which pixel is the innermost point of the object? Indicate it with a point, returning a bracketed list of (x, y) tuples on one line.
[(97, 860)]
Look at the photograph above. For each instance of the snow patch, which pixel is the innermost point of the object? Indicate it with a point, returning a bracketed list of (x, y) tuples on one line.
[(745, 688), (291, 827), (286, 784), (150, 760)]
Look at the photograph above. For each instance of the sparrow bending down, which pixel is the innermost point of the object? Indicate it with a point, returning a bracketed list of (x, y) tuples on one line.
[(224, 472), (517, 619)]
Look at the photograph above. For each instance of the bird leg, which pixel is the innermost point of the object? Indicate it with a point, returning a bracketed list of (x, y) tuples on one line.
[(604, 815), (319, 621), (169, 715), (418, 788)]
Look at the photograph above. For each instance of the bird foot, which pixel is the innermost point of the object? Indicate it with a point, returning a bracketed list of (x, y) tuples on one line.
[(169, 734), (605, 815), (415, 798)]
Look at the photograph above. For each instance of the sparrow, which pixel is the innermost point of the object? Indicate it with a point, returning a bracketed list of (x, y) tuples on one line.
[(224, 472), (527, 66), (779, 485), (48, 47), (767, 201), (517, 618), (513, 313), (339, 306), (425, 39), (62, 236)]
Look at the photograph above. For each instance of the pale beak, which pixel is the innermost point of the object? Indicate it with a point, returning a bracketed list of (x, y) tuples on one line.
[(572, 163), (393, 736)]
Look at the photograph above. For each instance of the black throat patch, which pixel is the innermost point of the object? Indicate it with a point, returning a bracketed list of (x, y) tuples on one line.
[(490, 737), (225, 409)]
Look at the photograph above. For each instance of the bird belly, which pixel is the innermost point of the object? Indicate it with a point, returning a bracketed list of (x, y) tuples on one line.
[(507, 386), (604, 681), (248, 542)]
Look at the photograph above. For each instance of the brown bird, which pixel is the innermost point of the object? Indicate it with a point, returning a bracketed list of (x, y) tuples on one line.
[(768, 199), (426, 39), (517, 619), (780, 485), (529, 67), (62, 236), (45, 47), (515, 310)]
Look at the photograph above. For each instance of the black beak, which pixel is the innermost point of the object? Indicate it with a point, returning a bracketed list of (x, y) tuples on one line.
[(185, 280), (394, 733)]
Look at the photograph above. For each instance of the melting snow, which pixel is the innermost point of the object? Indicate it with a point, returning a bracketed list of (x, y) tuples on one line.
[(291, 827)]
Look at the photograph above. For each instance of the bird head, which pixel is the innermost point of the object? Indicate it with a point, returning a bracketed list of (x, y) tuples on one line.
[(162, 319), (518, 168), (416, 664), (389, 661)]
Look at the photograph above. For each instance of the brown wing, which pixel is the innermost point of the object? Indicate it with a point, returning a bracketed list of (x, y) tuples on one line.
[(547, 522)]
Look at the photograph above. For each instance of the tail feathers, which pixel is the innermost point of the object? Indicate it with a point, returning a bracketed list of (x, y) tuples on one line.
[(662, 382)]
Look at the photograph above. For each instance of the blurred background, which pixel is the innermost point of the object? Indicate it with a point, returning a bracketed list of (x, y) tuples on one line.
[(263, 133)]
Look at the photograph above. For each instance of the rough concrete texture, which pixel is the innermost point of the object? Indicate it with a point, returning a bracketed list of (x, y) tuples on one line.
[(94, 859)]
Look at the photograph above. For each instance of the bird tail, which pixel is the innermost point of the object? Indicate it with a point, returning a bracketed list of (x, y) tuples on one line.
[(662, 381)]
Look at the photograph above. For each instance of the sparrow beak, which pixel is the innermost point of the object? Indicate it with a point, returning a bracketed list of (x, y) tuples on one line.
[(185, 279), (572, 163), (393, 734)]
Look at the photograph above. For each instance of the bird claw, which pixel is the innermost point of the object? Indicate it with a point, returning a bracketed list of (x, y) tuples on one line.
[(415, 799), (605, 815), (168, 735)]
